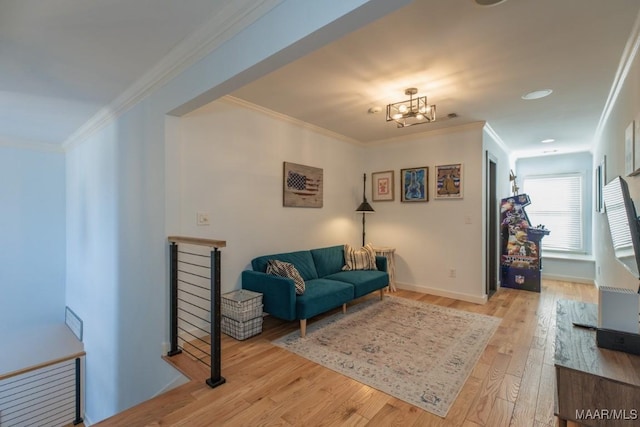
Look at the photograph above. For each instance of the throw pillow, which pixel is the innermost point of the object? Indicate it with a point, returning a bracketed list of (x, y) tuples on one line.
[(286, 269), (359, 259)]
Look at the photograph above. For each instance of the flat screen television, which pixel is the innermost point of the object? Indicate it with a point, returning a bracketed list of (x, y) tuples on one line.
[(623, 224)]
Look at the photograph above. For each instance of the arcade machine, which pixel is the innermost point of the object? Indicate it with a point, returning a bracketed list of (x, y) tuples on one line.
[(520, 262)]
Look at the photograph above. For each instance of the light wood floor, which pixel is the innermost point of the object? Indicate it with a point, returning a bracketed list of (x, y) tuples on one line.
[(512, 384)]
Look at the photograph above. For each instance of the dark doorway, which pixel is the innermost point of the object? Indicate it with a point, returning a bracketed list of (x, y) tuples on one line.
[(492, 226)]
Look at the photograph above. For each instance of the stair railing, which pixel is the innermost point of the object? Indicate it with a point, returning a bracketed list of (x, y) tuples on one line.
[(194, 306), (41, 379)]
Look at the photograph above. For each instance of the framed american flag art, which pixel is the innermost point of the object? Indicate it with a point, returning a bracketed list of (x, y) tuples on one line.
[(302, 186)]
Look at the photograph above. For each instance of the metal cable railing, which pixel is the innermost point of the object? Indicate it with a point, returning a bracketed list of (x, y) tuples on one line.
[(195, 302), (47, 395)]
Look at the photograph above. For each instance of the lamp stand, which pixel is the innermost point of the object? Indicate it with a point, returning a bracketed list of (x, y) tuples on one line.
[(363, 233), (364, 207)]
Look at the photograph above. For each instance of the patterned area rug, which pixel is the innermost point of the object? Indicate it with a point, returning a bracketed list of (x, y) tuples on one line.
[(420, 353)]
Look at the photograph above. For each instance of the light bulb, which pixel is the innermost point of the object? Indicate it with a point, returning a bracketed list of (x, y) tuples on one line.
[(402, 108), (396, 116)]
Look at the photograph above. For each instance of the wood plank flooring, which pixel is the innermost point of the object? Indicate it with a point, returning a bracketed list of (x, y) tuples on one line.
[(512, 384)]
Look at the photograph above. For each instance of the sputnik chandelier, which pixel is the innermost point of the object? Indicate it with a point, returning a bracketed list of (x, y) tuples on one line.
[(413, 111)]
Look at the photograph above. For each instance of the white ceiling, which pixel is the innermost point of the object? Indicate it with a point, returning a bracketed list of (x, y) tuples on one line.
[(61, 61), (470, 60)]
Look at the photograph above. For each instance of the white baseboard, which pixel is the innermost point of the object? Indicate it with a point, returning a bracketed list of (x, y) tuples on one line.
[(443, 293), (176, 382), (562, 278), (86, 421)]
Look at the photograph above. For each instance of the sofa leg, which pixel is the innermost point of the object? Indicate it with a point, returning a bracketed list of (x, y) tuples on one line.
[(381, 294), (344, 308), (303, 327)]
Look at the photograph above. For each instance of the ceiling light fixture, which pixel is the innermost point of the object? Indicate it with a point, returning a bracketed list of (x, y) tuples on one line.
[(548, 140), (489, 2), (537, 94), (414, 111)]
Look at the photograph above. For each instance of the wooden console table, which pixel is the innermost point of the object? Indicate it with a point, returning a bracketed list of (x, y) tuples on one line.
[(594, 386)]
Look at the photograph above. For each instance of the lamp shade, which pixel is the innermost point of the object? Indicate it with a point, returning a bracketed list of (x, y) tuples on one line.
[(365, 207)]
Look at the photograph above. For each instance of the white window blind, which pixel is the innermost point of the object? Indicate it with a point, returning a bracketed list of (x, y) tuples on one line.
[(556, 203)]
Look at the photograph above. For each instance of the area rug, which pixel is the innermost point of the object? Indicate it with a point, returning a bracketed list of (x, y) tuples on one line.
[(417, 352)]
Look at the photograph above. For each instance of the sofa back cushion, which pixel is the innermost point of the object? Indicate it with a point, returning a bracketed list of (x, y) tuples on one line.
[(328, 260), (301, 260)]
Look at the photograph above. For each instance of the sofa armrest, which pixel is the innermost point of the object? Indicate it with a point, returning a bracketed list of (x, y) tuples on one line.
[(381, 263), (278, 293)]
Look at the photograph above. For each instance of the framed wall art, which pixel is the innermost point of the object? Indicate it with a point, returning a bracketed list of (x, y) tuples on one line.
[(636, 145), (302, 186), (449, 181), (382, 186), (629, 152), (598, 201), (415, 184)]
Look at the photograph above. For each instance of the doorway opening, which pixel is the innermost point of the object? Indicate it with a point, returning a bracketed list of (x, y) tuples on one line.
[(491, 279)]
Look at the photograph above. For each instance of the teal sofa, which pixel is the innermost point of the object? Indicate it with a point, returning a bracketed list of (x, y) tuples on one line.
[(326, 285)]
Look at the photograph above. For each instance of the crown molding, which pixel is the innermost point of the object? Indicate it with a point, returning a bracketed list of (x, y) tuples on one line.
[(494, 135), (626, 61), (428, 133), (233, 18), (283, 117), (30, 145)]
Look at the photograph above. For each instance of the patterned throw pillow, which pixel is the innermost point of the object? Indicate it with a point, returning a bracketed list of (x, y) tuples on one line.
[(359, 259), (286, 269)]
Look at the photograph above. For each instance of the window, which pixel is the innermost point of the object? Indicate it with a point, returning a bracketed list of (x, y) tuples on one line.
[(556, 203)]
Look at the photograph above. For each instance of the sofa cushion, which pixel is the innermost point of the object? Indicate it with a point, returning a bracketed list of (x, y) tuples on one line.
[(322, 295), (359, 259), (301, 260), (363, 281), (285, 269), (328, 260)]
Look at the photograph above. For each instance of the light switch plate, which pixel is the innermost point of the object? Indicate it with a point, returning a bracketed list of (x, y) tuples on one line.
[(202, 218)]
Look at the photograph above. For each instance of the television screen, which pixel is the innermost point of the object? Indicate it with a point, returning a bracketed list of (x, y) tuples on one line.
[(623, 224)]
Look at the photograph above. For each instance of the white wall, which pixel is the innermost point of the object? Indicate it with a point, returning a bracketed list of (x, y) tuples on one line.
[(234, 173), (230, 165), (626, 108), (32, 225), (434, 237), (120, 207)]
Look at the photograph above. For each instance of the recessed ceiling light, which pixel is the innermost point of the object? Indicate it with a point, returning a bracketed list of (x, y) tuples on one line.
[(489, 2), (375, 109), (537, 94), (547, 141)]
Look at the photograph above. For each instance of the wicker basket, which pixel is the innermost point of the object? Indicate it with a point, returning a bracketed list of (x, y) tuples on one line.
[(241, 305), (241, 330)]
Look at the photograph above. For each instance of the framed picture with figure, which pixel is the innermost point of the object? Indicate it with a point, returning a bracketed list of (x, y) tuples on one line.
[(449, 181), (414, 184), (382, 186)]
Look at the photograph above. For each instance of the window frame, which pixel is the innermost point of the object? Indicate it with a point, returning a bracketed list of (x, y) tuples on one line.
[(582, 250)]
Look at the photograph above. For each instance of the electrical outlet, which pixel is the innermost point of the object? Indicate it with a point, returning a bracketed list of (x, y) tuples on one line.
[(202, 218), (452, 272)]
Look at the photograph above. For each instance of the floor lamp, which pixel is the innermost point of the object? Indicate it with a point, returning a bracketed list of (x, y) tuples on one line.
[(364, 207)]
